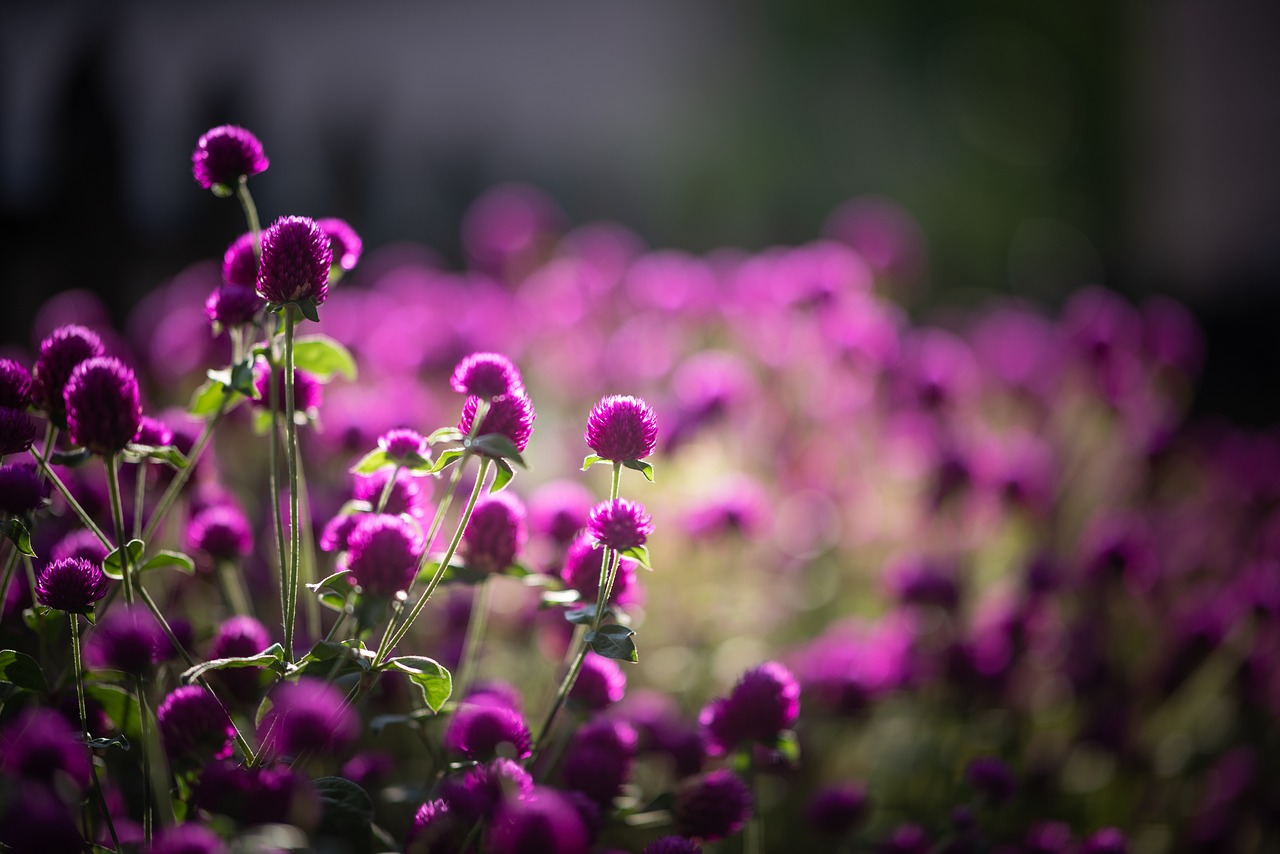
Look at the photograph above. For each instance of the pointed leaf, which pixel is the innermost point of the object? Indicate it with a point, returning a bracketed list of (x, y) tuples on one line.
[(105, 743), (208, 397), (346, 814), (243, 379), (17, 533), (308, 309), (502, 476), (323, 357), (447, 458), (272, 656), (640, 466), (371, 462), (165, 559), (112, 567), (583, 616), (590, 460), (429, 675), (164, 453), (445, 434), (22, 671), (640, 554), (499, 446), (614, 642)]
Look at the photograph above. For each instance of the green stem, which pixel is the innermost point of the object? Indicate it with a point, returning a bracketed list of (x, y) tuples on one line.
[(295, 517), (753, 839), (385, 495), (273, 477), (10, 563), (117, 516), (250, 215), (170, 494), (84, 728), (83, 516), (148, 818), (139, 497), (233, 588), (475, 633)]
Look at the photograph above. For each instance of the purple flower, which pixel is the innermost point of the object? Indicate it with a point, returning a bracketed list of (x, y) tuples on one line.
[(763, 703), (511, 415), (240, 263), (188, 838), (495, 534), (479, 730), (906, 839), (71, 585), (559, 510), (742, 508), (406, 496), (308, 393), (226, 154), (672, 845), (220, 531), (435, 830), (835, 810), (600, 684), (232, 305), (239, 636), (598, 761), (193, 723), (308, 715), (103, 411), (80, 543), (545, 822), (344, 244), (17, 431), (620, 524), (273, 794), (474, 795), (127, 639), (992, 777), (917, 581), (487, 375), (713, 806), (60, 353), (336, 531), (494, 690), (383, 553), (404, 447), (15, 385), (40, 820), (40, 746), (153, 432), (621, 427), (581, 571), (21, 490), (1108, 840), (295, 262)]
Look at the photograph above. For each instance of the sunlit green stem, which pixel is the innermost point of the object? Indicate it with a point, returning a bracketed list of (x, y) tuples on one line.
[(233, 588), (250, 215), (10, 563), (180, 478), (273, 478), (295, 517), (385, 495), (84, 517), (480, 606), (78, 666), (148, 805), (117, 517)]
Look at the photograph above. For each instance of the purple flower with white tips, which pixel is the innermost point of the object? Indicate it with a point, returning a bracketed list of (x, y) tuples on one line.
[(224, 155), (621, 428), (487, 375), (295, 262)]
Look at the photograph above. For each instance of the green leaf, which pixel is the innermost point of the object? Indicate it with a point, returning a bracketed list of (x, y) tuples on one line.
[(165, 559), (244, 379), (380, 722), (499, 446), (112, 567), (585, 615), (640, 466), (119, 704), (164, 453), (640, 554), (614, 642), (323, 357), (333, 590), (346, 813), (354, 506), (372, 462), (447, 458), (308, 309), (590, 460), (502, 476), (272, 656), (17, 533), (429, 675), (73, 458), (22, 671), (208, 397), (445, 434), (334, 657)]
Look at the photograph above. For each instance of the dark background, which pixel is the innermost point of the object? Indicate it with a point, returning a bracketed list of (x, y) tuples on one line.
[(1041, 146)]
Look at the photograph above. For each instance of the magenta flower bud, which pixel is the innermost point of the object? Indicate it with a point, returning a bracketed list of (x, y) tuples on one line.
[(763, 703), (17, 431), (494, 690), (404, 447), (21, 490), (60, 354), (103, 411), (80, 543), (240, 263), (620, 524), (71, 585), (581, 571), (226, 154), (544, 821), (308, 715), (383, 553), (222, 532), (188, 838), (511, 415), (15, 385), (621, 428), (495, 534), (481, 730), (713, 806), (673, 845), (344, 244), (601, 683), (336, 531), (598, 760), (232, 305), (473, 796), (127, 639), (835, 810), (487, 375), (308, 393), (193, 724), (295, 262)]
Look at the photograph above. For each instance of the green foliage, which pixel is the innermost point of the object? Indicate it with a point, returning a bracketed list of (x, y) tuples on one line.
[(22, 671), (614, 642), (323, 358), (429, 675)]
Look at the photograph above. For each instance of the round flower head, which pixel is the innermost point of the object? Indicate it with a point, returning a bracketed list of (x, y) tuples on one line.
[(71, 585), (40, 746), (220, 531), (344, 244), (600, 684), (620, 524), (406, 496), (127, 639), (479, 731), (672, 845), (39, 820), (226, 154), (404, 447), (17, 431), (382, 553), (21, 490), (188, 839), (308, 394), (274, 794), (621, 427), (15, 385), (236, 637), (836, 809), (60, 353), (435, 830), (581, 571), (713, 806), (308, 715), (240, 263), (232, 305), (598, 761), (487, 375), (193, 723), (495, 534), (474, 795), (80, 543), (511, 415), (295, 262), (103, 412), (763, 703), (545, 821)]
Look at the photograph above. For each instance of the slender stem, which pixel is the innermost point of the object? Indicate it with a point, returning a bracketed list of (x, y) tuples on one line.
[(385, 495), (399, 635), (78, 665), (139, 496), (291, 450), (83, 516), (273, 476), (10, 563), (480, 605), (170, 493), (117, 516), (566, 685), (307, 557), (233, 588), (148, 818), (753, 839), (250, 215)]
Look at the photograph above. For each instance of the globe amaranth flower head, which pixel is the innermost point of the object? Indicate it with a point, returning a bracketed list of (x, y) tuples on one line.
[(71, 585), (598, 761), (80, 543), (473, 795), (240, 263), (220, 531), (763, 703), (295, 262), (154, 432), (344, 244), (193, 723), (60, 353), (21, 489), (15, 385), (407, 494), (481, 729), (713, 806), (40, 746), (235, 637), (404, 447), (495, 534), (269, 794), (487, 375), (308, 715), (127, 639), (620, 524), (545, 820), (436, 830), (601, 683), (511, 415), (189, 838), (383, 552), (308, 393), (17, 431), (581, 571), (559, 510), (103, 410), (621, 428), (231, 305), (224, 155)]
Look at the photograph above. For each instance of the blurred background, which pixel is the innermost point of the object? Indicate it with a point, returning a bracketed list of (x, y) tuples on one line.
[(1039, 146)]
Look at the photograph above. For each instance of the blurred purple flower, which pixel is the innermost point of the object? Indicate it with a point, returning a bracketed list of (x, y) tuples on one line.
[(345, 245), (486, 376), (383, 553), (495, 535), (193, 724), (713, 806), (224, 155), (308, 715)]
